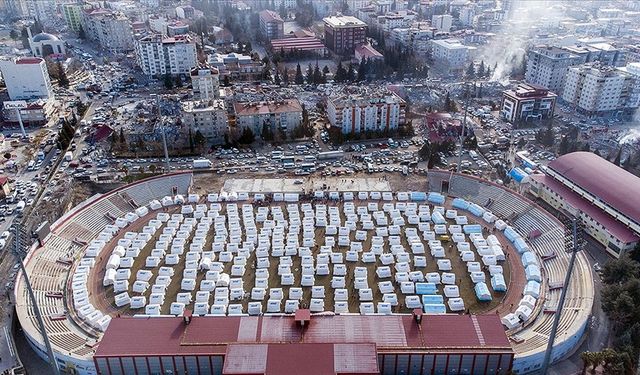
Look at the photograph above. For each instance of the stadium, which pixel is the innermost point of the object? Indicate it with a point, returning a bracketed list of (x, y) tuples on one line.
[(462, 277)]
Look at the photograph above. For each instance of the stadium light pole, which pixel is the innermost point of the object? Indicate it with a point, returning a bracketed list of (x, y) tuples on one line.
[(164, 137), (575, 246), (464, 124), (43, 331)]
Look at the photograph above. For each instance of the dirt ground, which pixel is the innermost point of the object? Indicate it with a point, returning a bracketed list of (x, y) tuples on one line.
[(103, 298)]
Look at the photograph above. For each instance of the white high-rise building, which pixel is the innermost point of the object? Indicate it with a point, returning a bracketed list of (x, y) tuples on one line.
[(26, 78), (442, 22), (112, 30), (205, 82), (547, 66), (450, 54), (158, 55), (365, 111), (598, 90)]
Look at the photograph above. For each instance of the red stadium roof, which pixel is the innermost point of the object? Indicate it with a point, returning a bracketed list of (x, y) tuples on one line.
[(608, 182), (213, 335), (614, 227), (302, 44)]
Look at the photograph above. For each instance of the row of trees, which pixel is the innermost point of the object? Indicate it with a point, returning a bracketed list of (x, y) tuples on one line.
[(482, 71), (621, 302)]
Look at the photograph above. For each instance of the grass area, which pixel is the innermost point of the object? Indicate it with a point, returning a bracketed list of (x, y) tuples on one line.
[(459, 268)]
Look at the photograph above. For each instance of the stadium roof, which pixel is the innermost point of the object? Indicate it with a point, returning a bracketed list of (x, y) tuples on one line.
[(606, 181), (616, 228), (212, 335)]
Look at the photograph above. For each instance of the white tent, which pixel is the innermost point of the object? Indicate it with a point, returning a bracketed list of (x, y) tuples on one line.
[(365, 295), (523, 312), (367, 308), (138, 302), (448, 278), (390, 298), (444, 265), (477, 277), (451, 291), (407, 287), (122, 299), (528, 301), (456, 304), (316, 305), (510, 321), (433, 277), (291, 306), (254, 308), (413, 302)]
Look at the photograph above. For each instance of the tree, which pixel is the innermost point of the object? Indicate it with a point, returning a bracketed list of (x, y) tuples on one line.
[(226, 82), (317, 76), (341, 73), (276, 78), (587, 361), (168, 83), (247, 137), (620, 270), (310, 74), (63, 81), (14, 35), (351, 74), (299, 77), (285, 76), (199, 139), (563, 147), (362, 70), (178, 81), (471, 72), (470, 142), (81, 33), (546, 136), (481, 70), (267, 133)]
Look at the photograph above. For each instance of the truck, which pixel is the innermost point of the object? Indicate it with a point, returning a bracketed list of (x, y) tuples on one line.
[(326, 155), (68, 156), (201, 164)]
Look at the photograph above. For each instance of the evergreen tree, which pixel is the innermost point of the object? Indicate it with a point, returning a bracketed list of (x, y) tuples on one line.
[(470, 73), (341, 73), (325, 70), (299, 77), (178, 81), (362, 70), (309, 74), (81, 33), (351, 74), (481, 70), (317, 76), (199, 139), (168, 83), (122, 140), (276, 78), (285, 76)]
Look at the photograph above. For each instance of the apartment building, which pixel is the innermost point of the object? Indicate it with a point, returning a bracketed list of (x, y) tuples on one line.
[(278, 115), (547, 66), (72, 15), (205, 83), (158, 55), (271, 24), (417, 37), (527, 103), (450, 55), (442, 22), (26, 78), (343, 33), (207, 116), (112, 31), (599, 90), (359, 110)]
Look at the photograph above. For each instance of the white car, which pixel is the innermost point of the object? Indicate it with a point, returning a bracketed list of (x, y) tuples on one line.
[(5, 235)]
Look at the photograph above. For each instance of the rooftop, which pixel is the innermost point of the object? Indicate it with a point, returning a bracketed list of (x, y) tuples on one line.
[(213, 335), (343, 21), (606, 181), (29, 60), (263, 108), (367, 50), (362, 96), (528, 90), (270, 16)]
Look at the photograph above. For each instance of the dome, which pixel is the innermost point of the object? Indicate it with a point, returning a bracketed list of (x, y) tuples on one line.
[(44, 37)]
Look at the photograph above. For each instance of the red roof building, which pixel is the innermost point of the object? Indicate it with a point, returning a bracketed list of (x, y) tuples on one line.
[(603, 195), (340, 344), (309, 44)]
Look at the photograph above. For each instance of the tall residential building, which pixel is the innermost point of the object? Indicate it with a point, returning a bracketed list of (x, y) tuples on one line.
[(205, 82), (343, 33), (602, 52), (26, 78), (72, 16), (157, 55), (547, 66), (112, 31), (284, 115), (366, 110), (527, 103), (442, 22), (271, 25), (598, 90), (207, 116), (236, 66), (450, 55)]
